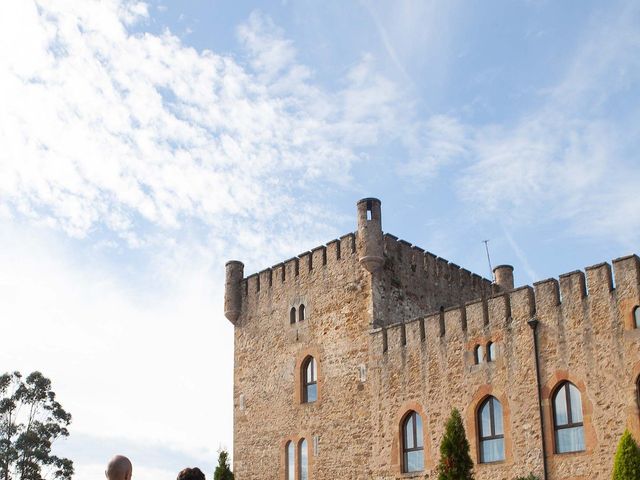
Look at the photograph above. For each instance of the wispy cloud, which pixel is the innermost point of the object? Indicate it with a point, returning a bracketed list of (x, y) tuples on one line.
[(139, 136), (574, 158)]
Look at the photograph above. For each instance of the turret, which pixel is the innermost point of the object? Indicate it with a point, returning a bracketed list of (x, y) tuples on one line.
[(504, 277), (233, 290), (370, 243)]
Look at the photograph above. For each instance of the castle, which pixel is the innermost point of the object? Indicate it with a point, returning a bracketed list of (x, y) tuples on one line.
[(349, 359)]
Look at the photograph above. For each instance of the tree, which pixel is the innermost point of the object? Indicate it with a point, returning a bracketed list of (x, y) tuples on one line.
[(455, 461), (626, 465), (223, 472), (31, 419)]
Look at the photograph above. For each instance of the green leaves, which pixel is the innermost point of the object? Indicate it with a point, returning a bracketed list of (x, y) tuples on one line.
[(223, 472), (455, 460), (626, 465), (30, 421)]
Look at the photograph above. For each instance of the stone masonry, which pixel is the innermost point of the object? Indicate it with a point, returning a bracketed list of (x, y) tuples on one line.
[(393, 329)]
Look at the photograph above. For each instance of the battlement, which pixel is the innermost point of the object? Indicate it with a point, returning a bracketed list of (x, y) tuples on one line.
[(313, 262), (421, 262), (572, 291)]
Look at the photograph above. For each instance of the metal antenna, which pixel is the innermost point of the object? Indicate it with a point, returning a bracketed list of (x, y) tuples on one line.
[(486, 246)]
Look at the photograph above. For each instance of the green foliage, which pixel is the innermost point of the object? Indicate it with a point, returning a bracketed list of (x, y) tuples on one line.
[(30, 421), (223, 472), (455, 461), (626, 465), (531, 476)]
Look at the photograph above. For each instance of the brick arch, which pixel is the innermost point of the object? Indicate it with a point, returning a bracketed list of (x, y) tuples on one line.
[(481, 394), (548, 389), (396, 446), (296, 439), (301, 357), (633, 409), (627, 308)]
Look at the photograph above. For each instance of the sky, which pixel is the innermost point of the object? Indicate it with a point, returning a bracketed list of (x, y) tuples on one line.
[(143, 144)]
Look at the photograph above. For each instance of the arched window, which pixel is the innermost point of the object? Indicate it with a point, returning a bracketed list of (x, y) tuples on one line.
[(478, 354), (309, 380), (301, 313), (567, 419), (491, 431), (292, 315), (290, 461), (412, 443), (491, 352), (303, 456), (636, 317)]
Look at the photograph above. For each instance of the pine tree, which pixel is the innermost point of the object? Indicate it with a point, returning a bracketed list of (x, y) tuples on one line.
[(626, 465), (223, 472), (455, 461)]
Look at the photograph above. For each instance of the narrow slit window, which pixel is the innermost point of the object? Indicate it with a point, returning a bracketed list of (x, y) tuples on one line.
[(292, 315), (491, 352), (567, 419), (290, 465), (301, 312), (478, 354), (309, 380), (303, 456)]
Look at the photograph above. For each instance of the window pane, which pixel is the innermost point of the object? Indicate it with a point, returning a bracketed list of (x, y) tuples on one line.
[(309, 372), (312, 392), (291, 466), (492, 450), (636, 316), (304, 461), (419, 439), (414, 461), (560, 406), (408, 432), (576, 404), (479, 354), (497, 417), (491, 354), (314, 372), (485, 420), (570, 439)]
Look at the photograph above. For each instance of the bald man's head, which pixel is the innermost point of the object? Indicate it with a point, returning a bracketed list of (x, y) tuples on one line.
[(119, 468)]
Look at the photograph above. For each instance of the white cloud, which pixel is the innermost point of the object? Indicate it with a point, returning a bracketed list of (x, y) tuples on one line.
[(114, 141), (573, 159), (138, 133)]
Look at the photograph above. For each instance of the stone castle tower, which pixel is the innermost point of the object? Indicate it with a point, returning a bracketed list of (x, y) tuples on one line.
[(350, 357)]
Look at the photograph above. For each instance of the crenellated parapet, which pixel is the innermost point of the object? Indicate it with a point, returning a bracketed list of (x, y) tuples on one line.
[(573, 295)]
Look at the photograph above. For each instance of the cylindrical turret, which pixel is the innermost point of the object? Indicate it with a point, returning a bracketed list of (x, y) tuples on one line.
[(232, 290), (370, 243), (504, 276)]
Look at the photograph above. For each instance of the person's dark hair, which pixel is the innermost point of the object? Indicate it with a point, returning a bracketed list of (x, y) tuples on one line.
[(191, 474)]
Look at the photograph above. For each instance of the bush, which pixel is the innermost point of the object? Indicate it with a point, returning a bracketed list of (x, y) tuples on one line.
[(531, 476), (626, 465), (455, 461)]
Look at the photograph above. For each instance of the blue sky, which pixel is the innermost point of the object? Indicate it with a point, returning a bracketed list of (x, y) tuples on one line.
[(144, 144)]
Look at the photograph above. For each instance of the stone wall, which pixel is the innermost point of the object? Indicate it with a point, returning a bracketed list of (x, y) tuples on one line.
[(384, 346)]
